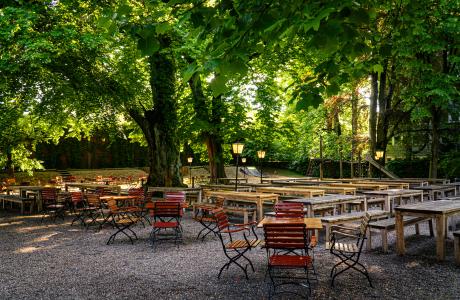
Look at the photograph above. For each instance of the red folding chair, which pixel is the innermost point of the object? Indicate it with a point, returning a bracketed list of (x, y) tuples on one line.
[(288, 258), (51, 207), (166, 216)]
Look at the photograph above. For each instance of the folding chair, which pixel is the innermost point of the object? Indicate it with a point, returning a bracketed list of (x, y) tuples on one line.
[(79, 207), (94, 211), (166, 216), (287, 248), (122, 221), (289, 210), (349, 253), (234, 249), (204, 217), (51, 207)]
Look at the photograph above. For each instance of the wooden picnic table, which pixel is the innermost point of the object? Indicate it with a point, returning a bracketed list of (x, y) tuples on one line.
[(256, 198), (391, 195), (328, 201), (433, 191), (186, 190), (291, 191), (85, 186), (225, 187), (24, 190), (439, 210), (311, 223), (391, 184), (359, 186), (330, 189)]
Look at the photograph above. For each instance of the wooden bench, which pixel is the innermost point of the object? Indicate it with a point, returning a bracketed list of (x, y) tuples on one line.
[(244, 210), (457, 246), (389, 224), (328, 221), (19, 200)]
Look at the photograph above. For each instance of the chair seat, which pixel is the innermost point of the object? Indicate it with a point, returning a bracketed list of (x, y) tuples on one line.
[(205, 219), (290, 261), (239, 244), (162, 224), (348, 248), (126, 221)]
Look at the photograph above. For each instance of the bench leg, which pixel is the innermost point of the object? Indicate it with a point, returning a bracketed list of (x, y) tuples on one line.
[(384, 240), (457, 250), (254, 216), (245, 217), (430, 226), (327, 227), (417, 229)]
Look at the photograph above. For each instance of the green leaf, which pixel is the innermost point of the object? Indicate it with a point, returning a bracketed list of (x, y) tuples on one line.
[(148, 46), (189, 71), (377, 68), (218, 85)]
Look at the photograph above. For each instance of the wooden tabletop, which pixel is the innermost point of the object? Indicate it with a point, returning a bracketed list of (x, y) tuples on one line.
[(431, 207), (330, 189), (248, 195), (311, 223), (434, 187), (291, 191), (393, 192), (118, 197), (360, 186), (327, 199)]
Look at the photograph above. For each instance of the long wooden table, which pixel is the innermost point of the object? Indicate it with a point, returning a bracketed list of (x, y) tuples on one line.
[(85, 186), (327, 201), (257, 198), (186, 190), (311, 223), (439, 210), (330, 189), (392, 194), (360, 186), (434, 190), (225, 187), (24, 189), (291, 191)]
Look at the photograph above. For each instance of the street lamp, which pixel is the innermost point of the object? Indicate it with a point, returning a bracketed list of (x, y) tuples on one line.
[(260, 155), (378, 154), (190, 159), (243, 161), (237, 150)]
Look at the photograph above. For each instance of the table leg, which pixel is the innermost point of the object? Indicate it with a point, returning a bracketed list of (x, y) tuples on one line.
[(387, 203), (440, 237), (400, 247), (260, 210)]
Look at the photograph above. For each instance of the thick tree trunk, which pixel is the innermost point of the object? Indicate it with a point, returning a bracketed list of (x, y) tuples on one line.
[(373, 117), (211, 134), (354, 130), (159, 123), (435, 137), (9, 162)]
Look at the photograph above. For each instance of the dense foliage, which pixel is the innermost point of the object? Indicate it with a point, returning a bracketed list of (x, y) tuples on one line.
[(195, 76)]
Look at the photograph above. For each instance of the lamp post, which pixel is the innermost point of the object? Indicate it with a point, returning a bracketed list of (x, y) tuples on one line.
[(243, 161), (237, 150), (260, 155), (189, 160), (378, 156)]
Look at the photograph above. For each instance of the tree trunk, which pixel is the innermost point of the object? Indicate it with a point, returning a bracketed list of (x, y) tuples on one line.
[(435, 137), (9, 162), (211, 133), (159, 123), (354, 129), (373, 117)]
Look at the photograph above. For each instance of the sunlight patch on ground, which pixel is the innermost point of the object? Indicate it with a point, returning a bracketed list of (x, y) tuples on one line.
[(27, 249), (11, 223), (44, 238), (33, 228), (413, 264)]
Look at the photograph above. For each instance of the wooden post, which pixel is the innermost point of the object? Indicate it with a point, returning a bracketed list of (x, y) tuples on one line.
[(400, 247), (440, 237), (321, 157)]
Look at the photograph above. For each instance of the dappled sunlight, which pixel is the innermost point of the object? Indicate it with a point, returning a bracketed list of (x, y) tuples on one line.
[(45, 238), (27, 249), (412, 264), (34, 228), (11, 223)]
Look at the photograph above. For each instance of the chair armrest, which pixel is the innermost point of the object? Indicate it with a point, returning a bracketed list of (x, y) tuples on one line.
[(343, 234), (234, 230), (245, 224)]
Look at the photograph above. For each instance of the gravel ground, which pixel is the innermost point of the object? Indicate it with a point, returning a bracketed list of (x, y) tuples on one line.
[(59, 261)]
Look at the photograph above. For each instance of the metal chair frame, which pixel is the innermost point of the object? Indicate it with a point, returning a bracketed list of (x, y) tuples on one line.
[(287, 247), (349, 253), (51, 207), (166, 215), (122, 221), (204, 216), (234, 249)]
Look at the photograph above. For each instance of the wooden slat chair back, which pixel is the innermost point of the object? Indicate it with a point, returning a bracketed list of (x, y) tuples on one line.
[(235, 248), (175, 196), (94, 210), (166, 215), (295, 239), (289, 210), (103, 191), (51, 207), (349, 252)]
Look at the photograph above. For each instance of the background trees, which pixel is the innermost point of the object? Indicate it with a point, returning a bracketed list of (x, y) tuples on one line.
[(194, 75)]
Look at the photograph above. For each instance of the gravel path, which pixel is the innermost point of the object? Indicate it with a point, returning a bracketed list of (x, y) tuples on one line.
[(59, 261)]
